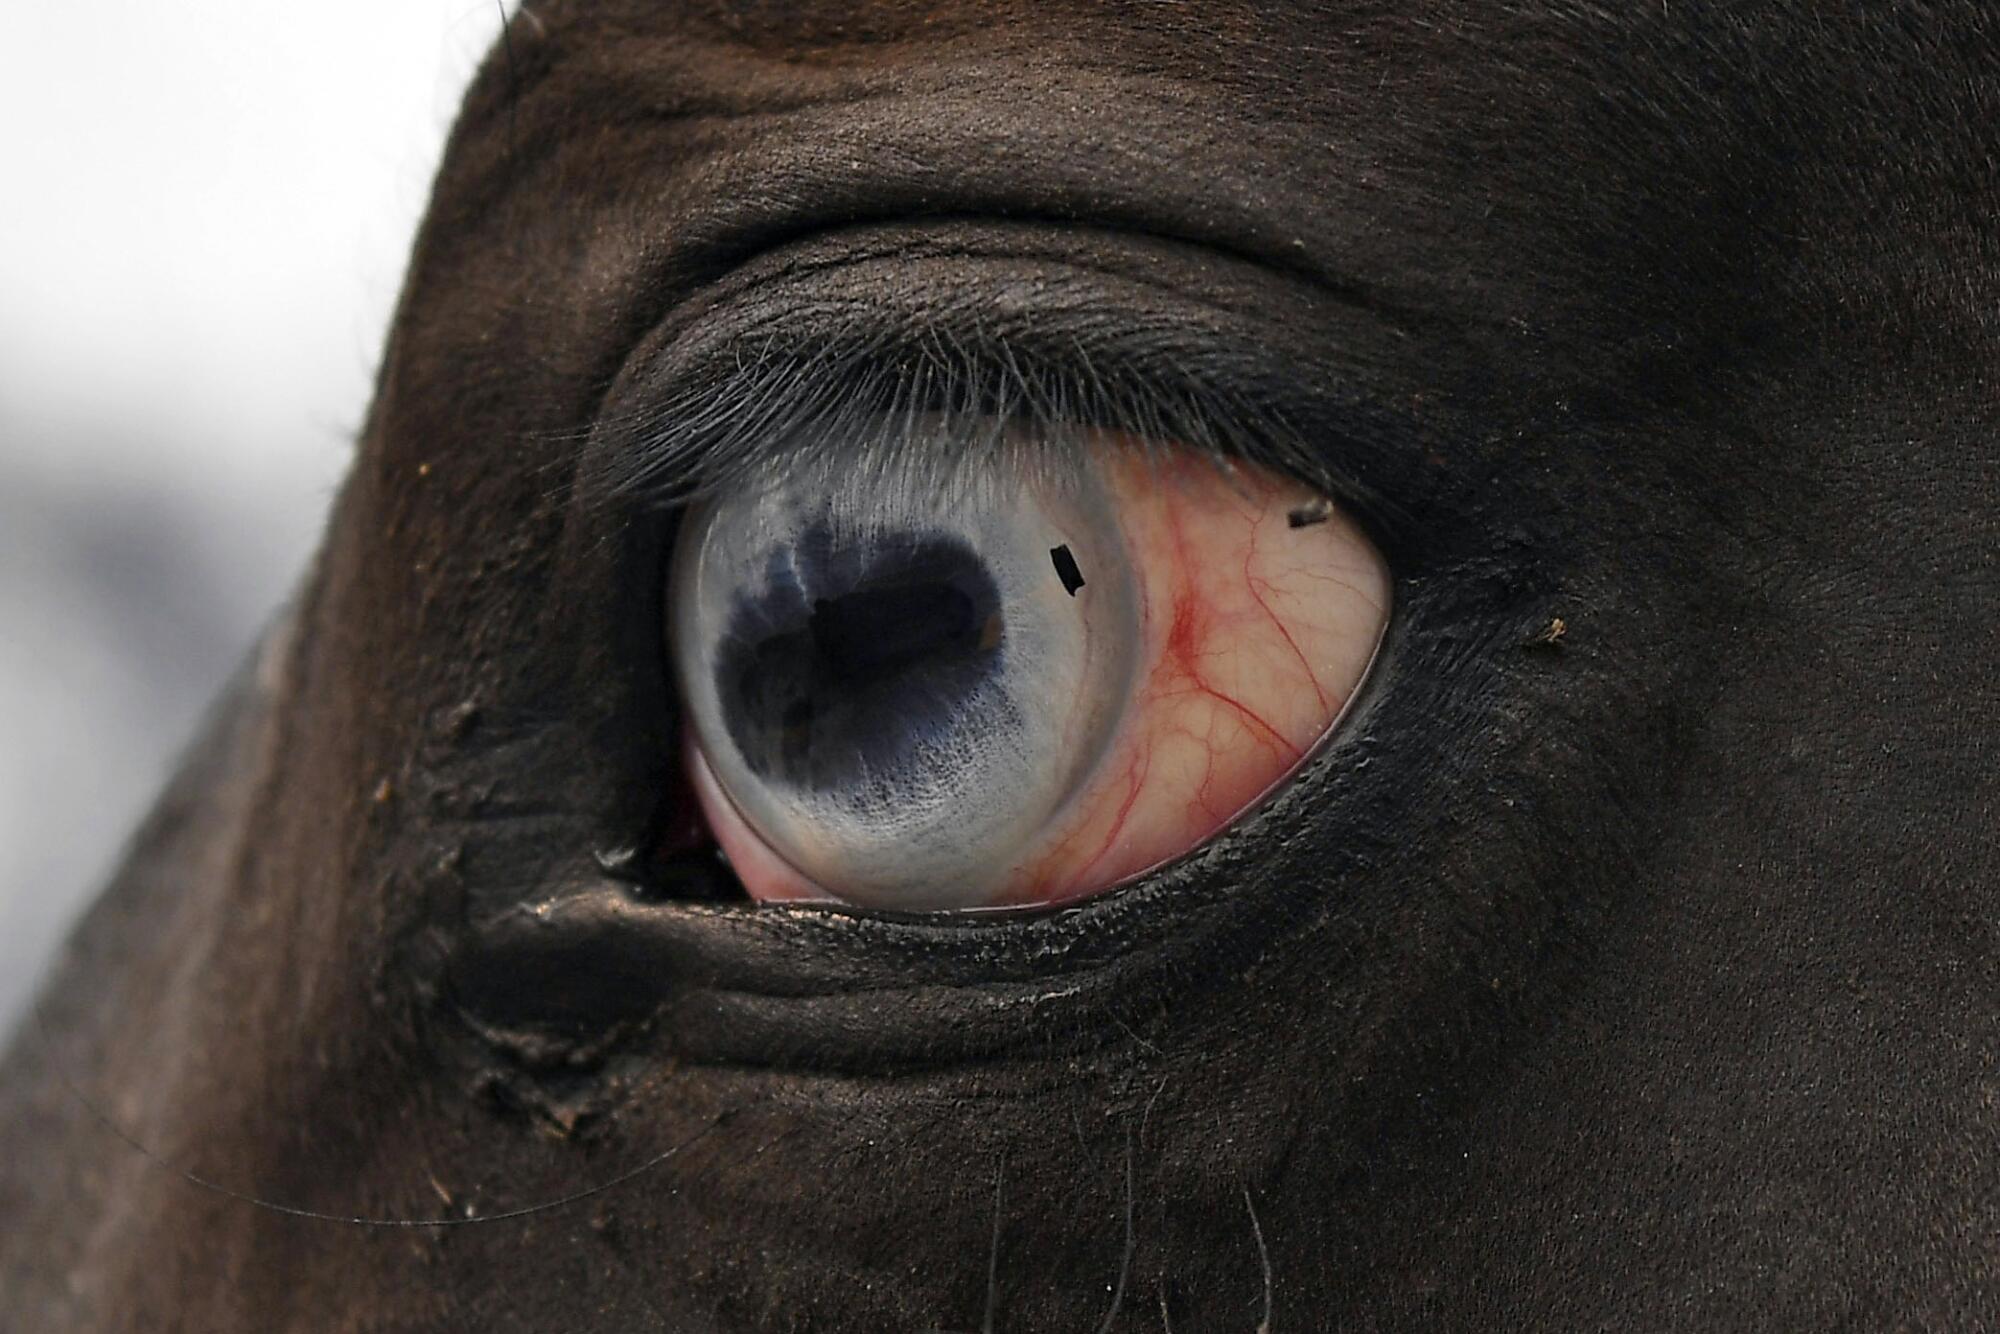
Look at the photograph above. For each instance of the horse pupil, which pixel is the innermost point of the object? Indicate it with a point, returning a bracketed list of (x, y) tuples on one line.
[(875, 670), (881, 631)]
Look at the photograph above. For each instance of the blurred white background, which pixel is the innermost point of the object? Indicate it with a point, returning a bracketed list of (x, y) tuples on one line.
[(204, 211)]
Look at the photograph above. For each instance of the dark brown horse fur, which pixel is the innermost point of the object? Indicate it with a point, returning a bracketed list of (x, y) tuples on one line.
[(1636, 977)]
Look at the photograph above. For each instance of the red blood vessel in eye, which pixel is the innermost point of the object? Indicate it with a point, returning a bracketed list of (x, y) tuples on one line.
[(1256, 634)]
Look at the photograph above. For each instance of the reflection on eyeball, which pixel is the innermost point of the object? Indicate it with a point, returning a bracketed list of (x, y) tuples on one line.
[(1016, 676)]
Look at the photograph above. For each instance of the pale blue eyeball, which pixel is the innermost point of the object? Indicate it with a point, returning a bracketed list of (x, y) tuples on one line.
[(898, 674)]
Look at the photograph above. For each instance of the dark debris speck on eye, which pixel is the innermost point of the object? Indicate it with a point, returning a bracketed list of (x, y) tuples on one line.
[(1066, 569), (1305, 516)]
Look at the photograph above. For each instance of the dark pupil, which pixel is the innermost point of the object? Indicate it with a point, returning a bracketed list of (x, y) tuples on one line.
[(875, 632), (859, 659)]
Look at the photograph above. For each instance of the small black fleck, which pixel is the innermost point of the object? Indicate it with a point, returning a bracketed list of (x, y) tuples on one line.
[(1066, 570)]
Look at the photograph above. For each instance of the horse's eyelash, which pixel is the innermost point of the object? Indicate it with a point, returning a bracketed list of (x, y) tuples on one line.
[(919, 410)]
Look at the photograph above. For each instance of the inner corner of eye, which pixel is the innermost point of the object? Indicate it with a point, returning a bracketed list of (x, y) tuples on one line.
[(1006, 692)]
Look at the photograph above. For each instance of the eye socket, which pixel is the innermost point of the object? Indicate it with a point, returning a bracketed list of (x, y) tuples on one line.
[(1016, 678)]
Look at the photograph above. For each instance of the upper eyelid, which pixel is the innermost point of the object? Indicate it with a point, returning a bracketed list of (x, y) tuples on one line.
[(731, 392)]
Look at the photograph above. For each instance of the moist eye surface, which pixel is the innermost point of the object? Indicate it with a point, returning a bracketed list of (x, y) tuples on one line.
[(888, 676), (1011, 675)]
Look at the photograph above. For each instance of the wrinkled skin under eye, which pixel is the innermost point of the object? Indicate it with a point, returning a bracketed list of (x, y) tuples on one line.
[(1018, 683)]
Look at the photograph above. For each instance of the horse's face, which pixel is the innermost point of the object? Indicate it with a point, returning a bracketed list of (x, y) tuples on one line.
[(1626, 959)]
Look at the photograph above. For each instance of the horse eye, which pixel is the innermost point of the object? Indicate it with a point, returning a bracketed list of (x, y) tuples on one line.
[(1018, 680)]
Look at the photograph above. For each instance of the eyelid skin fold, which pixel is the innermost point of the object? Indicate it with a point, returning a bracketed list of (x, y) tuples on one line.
[(1250, 633)]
